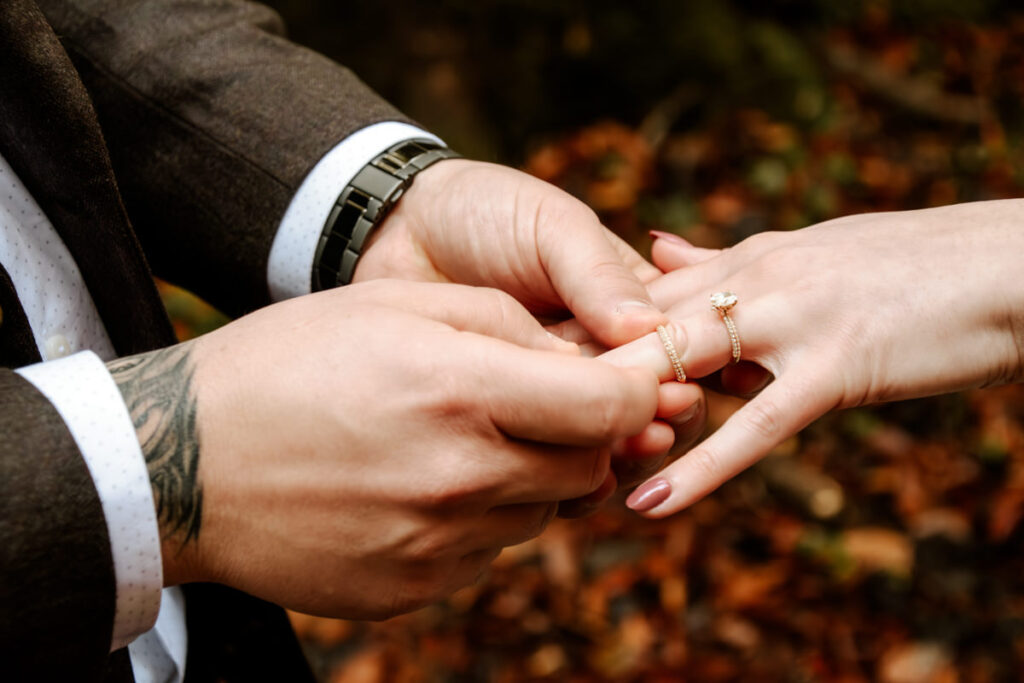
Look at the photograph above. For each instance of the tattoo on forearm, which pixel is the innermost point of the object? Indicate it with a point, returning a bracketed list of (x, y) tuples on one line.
[(157, 388)]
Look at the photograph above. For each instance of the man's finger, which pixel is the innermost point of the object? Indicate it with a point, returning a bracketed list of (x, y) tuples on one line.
[(780, 411), (590, 503), (508, 525), (527, 473), (641, 267), (481, 310), (590, 276), (561, 399)]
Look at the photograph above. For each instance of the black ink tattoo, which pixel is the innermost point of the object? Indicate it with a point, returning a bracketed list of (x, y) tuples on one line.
[(157, 388)]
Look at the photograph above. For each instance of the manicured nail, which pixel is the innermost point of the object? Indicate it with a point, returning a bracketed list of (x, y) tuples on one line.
[(668, 237), (650, 495)]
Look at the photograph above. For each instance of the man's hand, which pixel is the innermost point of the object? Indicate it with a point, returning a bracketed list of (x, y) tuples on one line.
[(364, 451), (481, 224)]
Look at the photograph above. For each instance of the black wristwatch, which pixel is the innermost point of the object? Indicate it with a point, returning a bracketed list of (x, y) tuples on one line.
[(363, 205)]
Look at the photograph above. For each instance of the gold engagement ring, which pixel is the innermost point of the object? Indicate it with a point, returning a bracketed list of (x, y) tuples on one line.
[(723, 303), (673, 357)]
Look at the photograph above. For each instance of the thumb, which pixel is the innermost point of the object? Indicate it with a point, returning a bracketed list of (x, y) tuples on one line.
[(670, 252), (592, 278)]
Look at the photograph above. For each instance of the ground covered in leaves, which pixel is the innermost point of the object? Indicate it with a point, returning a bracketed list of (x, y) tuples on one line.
[(881, 543)]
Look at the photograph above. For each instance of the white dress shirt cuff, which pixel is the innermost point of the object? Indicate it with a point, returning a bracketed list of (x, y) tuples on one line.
[(290, 266), (85, 395)]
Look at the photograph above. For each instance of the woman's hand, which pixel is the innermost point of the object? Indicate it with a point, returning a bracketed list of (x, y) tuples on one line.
[(858, 310)]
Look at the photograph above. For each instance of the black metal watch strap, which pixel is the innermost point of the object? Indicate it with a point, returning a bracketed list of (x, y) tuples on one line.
[(363, 205)]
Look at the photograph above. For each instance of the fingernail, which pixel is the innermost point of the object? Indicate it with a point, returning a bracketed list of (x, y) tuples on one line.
[(564, 345), (689, 413), (650, 495), (630, 307), (668, 237)]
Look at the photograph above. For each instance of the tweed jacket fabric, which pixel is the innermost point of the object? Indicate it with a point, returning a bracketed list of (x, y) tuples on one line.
[(155, 134)]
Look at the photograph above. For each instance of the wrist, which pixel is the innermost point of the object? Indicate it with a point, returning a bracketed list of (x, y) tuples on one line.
[(399, 246), (158, 391), (364, 204)]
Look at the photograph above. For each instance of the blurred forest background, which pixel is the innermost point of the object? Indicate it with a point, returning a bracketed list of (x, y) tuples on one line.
[(880, 544)]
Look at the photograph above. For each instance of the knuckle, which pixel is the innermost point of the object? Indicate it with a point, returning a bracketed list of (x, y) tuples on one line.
[(508, 312), (610, 414), (447, 496), (762, 420), (561, 208), (707, 462), (780, 263), (430, 546), (448, 397), (759, 242)]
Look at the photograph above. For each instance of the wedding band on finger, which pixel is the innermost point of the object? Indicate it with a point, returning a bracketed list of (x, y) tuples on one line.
[(723, 303), (673, 356)]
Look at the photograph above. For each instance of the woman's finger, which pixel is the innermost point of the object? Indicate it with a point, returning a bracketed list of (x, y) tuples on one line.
[(670, 252), (702, 341), (780, 411), (690, 285)]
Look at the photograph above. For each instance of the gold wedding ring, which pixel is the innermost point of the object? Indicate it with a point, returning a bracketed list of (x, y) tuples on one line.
[(723, 303), (673, 357)]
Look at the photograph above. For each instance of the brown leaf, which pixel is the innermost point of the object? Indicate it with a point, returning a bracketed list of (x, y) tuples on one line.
[(917, 663), (879, 549)]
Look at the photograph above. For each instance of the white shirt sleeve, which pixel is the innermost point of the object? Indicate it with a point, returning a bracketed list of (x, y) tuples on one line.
[(290, 265), (85, 395)]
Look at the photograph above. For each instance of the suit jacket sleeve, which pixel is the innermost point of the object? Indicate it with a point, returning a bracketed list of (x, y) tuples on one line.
[(212, 119), (55, 617)]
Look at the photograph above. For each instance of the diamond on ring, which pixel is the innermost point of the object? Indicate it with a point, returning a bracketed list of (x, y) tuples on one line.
[(723, 303), (673, 356)]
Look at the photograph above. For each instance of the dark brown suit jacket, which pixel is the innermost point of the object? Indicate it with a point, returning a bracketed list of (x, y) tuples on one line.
[(154, 133)]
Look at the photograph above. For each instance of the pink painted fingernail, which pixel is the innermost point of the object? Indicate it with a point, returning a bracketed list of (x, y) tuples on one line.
[(650, 495), (668, 237)]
